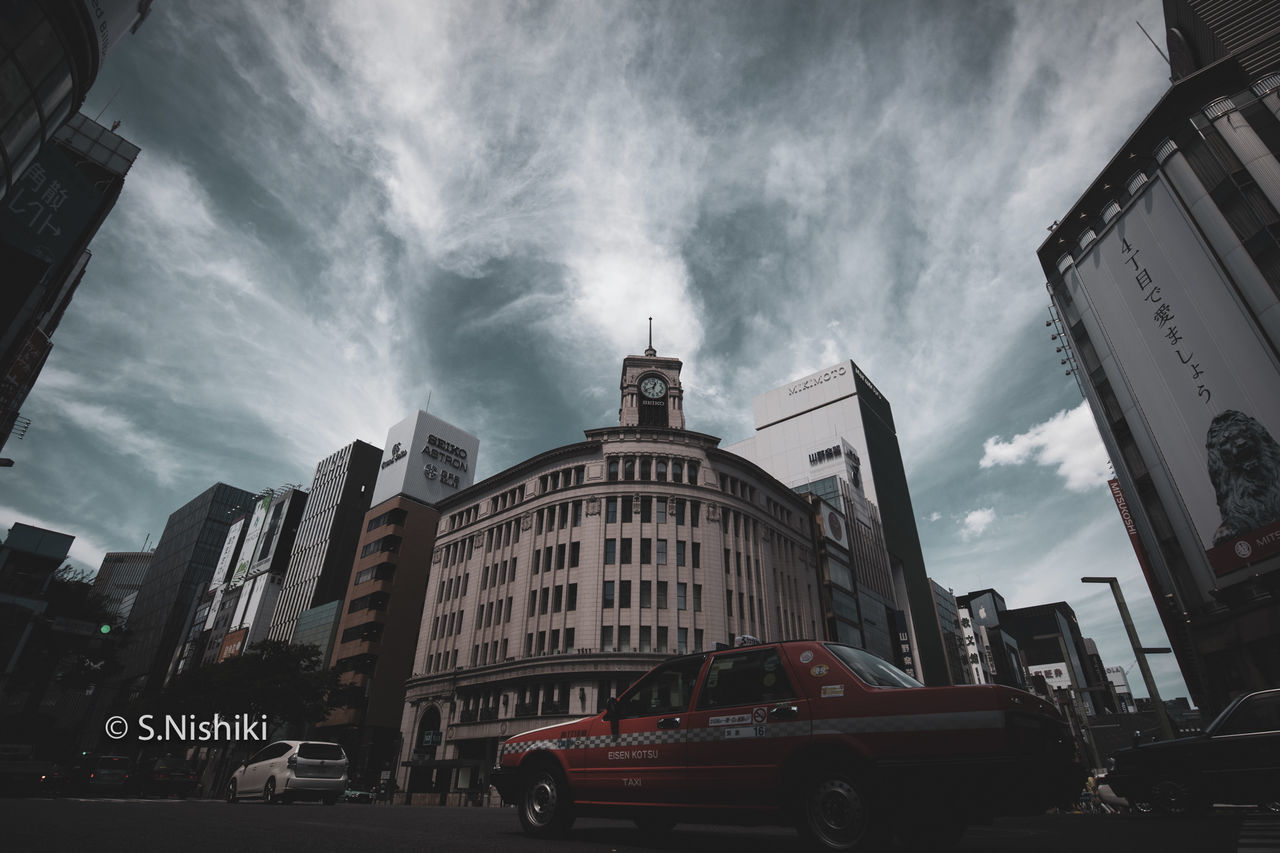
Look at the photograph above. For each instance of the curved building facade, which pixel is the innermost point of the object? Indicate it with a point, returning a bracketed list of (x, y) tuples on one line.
[(50, 53), (557, 582)]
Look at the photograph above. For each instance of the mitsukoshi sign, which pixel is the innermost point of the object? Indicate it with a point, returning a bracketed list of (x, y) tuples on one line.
[(1204, 383)]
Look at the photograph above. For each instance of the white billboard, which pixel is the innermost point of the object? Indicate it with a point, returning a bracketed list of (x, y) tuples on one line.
[(1204, 382), (247, 549), (426, 458)]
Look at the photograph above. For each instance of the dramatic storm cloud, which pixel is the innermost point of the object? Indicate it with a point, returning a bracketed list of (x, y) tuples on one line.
[(345, 210)]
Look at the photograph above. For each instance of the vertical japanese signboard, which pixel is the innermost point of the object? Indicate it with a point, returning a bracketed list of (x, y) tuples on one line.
[(1206, 385)]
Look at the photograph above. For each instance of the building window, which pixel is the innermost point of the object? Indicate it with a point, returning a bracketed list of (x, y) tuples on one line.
[(680, 596), (575, 549), (662, 595), (607, 603), (624, 637), (660, 471), (646, 469), (696, 556), (662, 510), (606, 638), (571, 598), (613, 470), (693, 473), (662, 552), (557, 599), (626, 551), (662, 639), (610, 551), (626, 509), (629, 468), (610, 510), (560, 555), (646, 551), (624, 594), (577, 513), (646, 509), (679, 511), (679, 553), (697, 598)]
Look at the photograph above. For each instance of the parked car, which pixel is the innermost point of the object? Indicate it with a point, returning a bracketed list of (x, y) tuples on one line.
[(290, 770), (106, 774), (823, 736), (160, 777), (357, 794), (56, 780), (1234, 760)]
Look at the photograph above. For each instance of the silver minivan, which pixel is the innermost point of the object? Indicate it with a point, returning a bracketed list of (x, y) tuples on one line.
[(290, 770)]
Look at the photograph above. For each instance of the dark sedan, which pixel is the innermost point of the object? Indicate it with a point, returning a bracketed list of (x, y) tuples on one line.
[(1236, 760), (161, 777)]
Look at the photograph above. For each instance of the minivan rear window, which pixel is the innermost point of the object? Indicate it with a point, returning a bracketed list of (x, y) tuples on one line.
[(321, 752)]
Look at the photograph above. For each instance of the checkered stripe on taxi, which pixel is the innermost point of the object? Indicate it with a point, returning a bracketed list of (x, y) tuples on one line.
[(650, 738), (887, 724)]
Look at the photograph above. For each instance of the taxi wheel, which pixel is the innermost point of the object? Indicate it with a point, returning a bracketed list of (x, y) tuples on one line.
[(546, 808), (835, 811), (231, 792), (1175, 796), (269, 793)]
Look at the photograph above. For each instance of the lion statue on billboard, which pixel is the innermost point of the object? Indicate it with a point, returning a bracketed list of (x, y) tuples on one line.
[(1244, 467)]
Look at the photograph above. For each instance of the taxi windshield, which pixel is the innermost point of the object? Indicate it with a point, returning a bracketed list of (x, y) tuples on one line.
[(871, 669)]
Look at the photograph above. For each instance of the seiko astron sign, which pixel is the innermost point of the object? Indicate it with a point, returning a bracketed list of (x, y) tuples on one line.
[(426, 458)]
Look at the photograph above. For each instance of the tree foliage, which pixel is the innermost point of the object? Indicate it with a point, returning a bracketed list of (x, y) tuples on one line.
[(284, 683)]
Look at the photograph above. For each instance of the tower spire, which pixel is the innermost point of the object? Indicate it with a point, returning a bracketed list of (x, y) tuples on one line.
[(651, 352)]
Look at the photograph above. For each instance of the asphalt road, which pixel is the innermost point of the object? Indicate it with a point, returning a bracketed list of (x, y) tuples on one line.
[(36, 825)]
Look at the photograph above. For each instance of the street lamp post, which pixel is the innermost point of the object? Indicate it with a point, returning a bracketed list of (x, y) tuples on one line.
[(1162, 717)]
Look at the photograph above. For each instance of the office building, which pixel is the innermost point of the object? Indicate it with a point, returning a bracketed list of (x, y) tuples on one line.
[(1000, 659), (558, 581), (260, 569), (50, 54), (119, 578), (181, 568), (325, 547), (1165, 286), (46, 224), (426, 462), (832, 433)]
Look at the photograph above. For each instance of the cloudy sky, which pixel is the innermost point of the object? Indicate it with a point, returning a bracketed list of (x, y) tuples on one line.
[(343, 209)]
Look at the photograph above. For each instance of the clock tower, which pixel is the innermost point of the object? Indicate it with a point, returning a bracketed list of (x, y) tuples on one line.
[(651, 392)]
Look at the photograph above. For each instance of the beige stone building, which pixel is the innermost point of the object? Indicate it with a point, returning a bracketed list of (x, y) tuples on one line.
[(557, 582)]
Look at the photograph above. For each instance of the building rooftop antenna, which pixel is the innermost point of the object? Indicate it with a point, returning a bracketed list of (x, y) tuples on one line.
[(651, 352), (1156, 46)]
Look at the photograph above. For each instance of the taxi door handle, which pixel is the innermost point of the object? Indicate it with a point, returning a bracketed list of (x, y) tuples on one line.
[(669, 723), (784, 712)]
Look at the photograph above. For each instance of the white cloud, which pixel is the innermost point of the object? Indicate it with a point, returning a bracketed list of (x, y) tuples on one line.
[(1068, 442), (977, 521), (933, 516)]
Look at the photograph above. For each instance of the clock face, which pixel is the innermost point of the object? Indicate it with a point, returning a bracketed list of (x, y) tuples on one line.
[(653, 388)]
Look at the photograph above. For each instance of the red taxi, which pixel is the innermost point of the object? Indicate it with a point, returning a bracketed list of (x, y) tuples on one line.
[(824, 736)]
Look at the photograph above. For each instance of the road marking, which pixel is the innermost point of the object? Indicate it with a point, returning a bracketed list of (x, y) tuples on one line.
[(1259, 834)]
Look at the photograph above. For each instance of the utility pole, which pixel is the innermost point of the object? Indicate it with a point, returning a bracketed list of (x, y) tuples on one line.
[(1162, 717)]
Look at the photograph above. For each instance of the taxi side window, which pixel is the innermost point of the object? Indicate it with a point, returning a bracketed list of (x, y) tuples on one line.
[(1259, 714), (666, 690), (745, 678)]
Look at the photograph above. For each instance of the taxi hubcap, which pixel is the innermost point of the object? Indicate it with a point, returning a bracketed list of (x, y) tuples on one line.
[(542, 798), (839, 811)]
